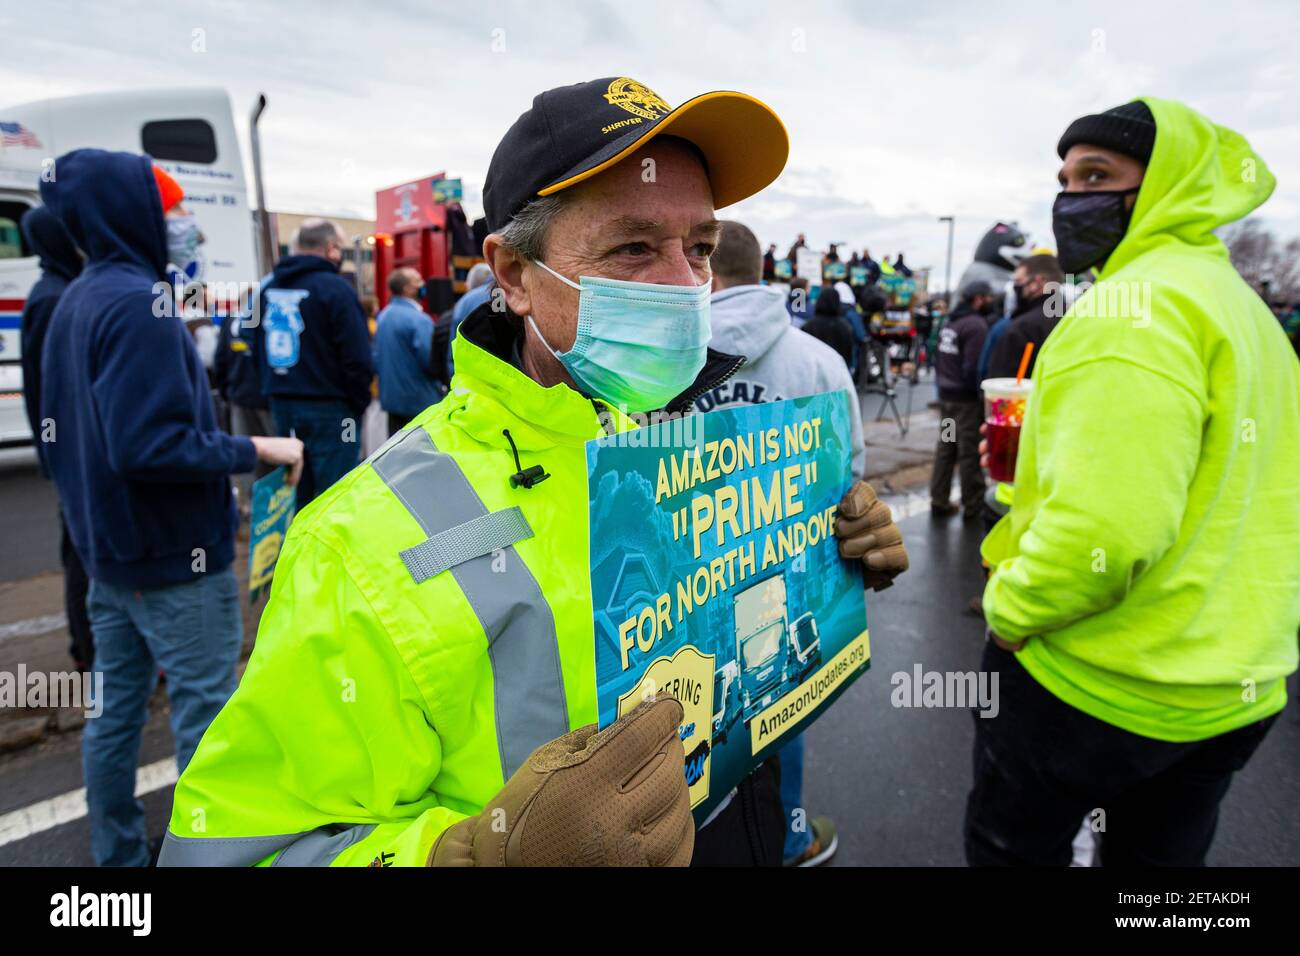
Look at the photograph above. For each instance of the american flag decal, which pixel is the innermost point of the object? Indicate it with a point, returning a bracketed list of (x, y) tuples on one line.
[(16, 134)]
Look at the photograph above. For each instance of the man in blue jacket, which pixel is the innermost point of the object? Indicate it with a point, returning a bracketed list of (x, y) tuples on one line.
[(404, 358), (316, 364), (60, 264), (143, 474)]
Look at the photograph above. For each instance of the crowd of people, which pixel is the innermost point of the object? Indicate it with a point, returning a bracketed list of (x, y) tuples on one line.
[(845, 303), (435, 695)]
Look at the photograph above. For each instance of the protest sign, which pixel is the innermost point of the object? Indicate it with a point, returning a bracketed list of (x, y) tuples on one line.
[(273, 506), (898, 289), (808, 265), (446, 190), (716, 578)]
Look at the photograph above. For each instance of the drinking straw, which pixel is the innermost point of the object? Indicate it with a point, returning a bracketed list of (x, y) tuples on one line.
[(1024, 362)]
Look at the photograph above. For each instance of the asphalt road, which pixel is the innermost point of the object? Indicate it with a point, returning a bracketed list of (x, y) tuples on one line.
[(893, 779)]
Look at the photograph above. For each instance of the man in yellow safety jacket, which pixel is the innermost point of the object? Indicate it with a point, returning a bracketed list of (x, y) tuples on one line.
[(423, 686)]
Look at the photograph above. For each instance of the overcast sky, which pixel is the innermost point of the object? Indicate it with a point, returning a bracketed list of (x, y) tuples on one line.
[(897, 112)]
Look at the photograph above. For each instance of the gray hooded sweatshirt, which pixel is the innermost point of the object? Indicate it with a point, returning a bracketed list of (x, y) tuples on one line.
[(781, 361)]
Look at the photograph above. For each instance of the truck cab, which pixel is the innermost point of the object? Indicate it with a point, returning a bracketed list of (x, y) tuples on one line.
[(774, 655), (805, 646), (190, 133), (421, 225), (762, 643), (726, 697), (763, 666)]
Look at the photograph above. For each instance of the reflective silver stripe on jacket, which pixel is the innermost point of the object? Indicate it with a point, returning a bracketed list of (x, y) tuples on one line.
[(314, 848), (456, 545), (525, 655)]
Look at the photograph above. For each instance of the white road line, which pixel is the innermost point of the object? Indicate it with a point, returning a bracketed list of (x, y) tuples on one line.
[(906, 506), (33, 626), (67, 807)]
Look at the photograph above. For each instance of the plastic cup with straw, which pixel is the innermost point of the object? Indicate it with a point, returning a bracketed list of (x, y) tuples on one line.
[(1004, 413)]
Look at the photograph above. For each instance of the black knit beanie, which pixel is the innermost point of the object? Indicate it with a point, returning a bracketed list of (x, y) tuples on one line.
[(1129, 129)]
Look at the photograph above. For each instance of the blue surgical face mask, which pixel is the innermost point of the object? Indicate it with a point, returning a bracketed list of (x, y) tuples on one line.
[(639, 344)]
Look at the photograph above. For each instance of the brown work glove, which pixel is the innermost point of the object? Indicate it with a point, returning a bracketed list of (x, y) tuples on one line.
[(867, 531), (615, 797)]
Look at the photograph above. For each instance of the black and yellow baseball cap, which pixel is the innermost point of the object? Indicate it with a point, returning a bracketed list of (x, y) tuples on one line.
[(571, 133)]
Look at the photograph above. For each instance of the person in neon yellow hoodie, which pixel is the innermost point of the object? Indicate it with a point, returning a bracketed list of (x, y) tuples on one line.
[(1145, 588)]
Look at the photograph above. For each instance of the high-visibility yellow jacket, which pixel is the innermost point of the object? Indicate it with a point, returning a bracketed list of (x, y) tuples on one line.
[(1149, 560), (429, 626)]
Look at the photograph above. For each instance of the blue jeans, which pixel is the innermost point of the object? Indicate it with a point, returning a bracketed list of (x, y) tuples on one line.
[(796, 840), (331, 434), (191, 631)]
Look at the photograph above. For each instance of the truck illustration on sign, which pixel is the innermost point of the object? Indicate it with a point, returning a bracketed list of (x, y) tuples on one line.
[(773, 655)]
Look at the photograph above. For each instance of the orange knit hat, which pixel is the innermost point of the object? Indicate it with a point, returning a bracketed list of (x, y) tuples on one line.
[(168, 189)]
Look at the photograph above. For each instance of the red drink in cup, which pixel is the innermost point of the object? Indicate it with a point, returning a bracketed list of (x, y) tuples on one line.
[(1004, 412), (1004, 443)]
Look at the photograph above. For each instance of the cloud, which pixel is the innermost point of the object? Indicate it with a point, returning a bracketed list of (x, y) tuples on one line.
[(897, 115)]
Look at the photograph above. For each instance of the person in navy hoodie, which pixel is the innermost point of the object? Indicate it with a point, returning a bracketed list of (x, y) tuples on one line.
[(60, 264), (315, 356), (143, 474)]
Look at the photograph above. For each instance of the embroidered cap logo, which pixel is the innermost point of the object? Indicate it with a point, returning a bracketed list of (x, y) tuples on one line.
[(637, 98)]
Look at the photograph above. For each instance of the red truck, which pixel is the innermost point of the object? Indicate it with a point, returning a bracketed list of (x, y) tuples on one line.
[(421, 225)]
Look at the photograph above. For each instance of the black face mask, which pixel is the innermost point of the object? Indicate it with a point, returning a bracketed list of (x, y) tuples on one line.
[(1088, 226), (1023, 295)]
